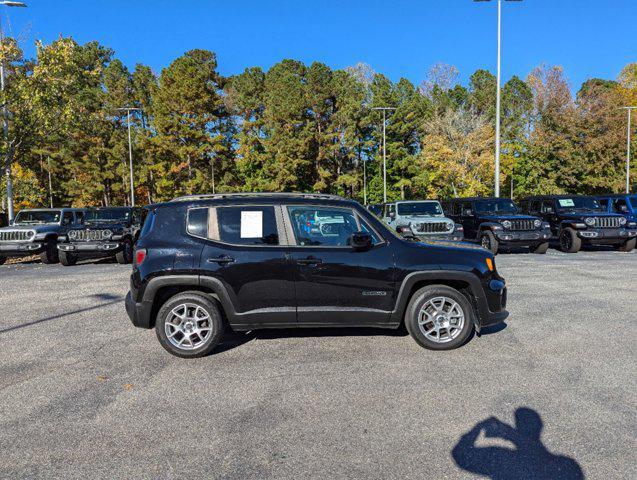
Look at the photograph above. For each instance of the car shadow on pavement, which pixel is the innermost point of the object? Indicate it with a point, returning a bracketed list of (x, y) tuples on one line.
[(528, 458), (64, 314), (490, 330)]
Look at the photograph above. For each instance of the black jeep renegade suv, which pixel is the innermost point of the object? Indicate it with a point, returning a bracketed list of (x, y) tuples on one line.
[(206, 263)]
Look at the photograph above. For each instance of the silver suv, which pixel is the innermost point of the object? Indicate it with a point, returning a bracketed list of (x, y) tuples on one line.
[(422, 218)]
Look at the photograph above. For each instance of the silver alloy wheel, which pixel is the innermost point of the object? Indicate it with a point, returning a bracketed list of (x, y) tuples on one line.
[(188, 326), (486, 242), (441, 319)]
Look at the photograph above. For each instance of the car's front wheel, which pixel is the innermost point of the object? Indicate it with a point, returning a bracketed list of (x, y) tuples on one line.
[(628, 245), (50, 253), (488, 241), (67, 259), (569, 241), (439, 317), (189, 325), (540, 249), (2, 260)]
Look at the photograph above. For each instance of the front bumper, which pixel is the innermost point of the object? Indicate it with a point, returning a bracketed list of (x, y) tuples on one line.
[(523, 238), (491, 308), (90, 247), (21, 248), (445, 237), (607, 235)]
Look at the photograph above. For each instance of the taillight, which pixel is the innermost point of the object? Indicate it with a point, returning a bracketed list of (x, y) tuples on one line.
[(140, 255)]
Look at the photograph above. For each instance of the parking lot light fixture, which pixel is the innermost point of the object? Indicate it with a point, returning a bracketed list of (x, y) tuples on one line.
[(497, 98), (629, 128), (130, 151)]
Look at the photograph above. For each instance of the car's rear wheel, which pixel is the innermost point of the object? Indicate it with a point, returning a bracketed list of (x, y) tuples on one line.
[(628, 245), (569, 241), (540, 249), (488, 241), (189, 325), (125, 255), (2, 260), (439, 317), (67, 259), (50, 253)]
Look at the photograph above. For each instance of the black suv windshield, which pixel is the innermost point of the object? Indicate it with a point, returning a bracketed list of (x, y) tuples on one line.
[(586, 204), (496, 206), (107, 215), (419, 208), (36, 217)]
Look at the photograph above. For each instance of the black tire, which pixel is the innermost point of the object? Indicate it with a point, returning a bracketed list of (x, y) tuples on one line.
[(50, 253), (488, 241), (628, 245), (125, 255), (67, 259), (2, 260), (420, 298), (198, 347), (539, 249), (569, 241)]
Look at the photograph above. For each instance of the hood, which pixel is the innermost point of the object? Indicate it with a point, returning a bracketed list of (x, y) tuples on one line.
[(424, 219), (44, 228), (508, 216)]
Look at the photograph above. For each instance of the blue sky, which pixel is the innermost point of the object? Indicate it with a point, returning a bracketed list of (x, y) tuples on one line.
[(589, 38)]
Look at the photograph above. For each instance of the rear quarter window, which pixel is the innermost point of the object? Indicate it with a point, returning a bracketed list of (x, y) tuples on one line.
[(148, 224)]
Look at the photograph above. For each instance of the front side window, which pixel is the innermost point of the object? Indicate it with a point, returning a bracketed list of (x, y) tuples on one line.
[(247, 225), (36, 217), (107, 214), (67, 219), (620, 206), (419, 208), (330, 227), (496, 206)]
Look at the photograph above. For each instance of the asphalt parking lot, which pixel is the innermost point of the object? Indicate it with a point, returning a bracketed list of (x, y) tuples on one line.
[(84, 394)]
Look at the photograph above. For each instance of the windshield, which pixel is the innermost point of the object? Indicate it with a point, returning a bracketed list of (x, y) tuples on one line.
[(37, 217), (107, 215), (586, 204), (496, 206), (419, 208)]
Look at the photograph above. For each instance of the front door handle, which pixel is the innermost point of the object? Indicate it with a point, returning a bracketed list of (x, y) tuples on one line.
[(221, 260), (309, 261)]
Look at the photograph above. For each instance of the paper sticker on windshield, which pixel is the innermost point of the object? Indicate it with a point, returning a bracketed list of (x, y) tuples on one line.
[(251, 224), (566, 202)]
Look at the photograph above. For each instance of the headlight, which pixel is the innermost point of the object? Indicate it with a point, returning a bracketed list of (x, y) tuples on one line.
[(506, 224), (537, 223), (589, 221), (622, 221), (72, 234), (106, 233), (450, 225)]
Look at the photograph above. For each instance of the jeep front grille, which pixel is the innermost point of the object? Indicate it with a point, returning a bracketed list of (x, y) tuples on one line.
[(607, 222), (16, 235), (434, 227), (522, 225), (89, 235)]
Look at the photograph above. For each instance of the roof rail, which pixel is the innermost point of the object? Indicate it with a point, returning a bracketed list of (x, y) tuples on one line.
[(215, 196)]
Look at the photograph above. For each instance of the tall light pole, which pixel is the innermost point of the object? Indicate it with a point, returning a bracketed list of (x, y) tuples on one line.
[(629, 109), (5, 119), (364, 182), (384, 109), (497, 99), (130, 152)]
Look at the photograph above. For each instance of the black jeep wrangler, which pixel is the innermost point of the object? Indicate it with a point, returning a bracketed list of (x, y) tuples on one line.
[(498, 222), (207, 263), (36, 232), (106, 231), (578, 219)]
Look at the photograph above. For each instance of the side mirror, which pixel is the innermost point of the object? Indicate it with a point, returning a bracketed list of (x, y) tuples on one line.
[(549, 210), (467, 212), (360, 241), (623, 208)]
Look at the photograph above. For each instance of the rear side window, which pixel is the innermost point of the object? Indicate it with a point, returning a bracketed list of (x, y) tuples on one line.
[(247, 225), (148, 224), (197, 222)]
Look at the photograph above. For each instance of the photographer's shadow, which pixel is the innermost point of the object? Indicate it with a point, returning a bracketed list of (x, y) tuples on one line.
[(529, 459)]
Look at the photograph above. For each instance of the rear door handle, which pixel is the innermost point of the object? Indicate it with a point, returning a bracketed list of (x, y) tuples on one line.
[(309, 261), (221, 260)]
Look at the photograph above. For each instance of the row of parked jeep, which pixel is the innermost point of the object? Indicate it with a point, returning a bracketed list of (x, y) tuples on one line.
[(66, 234), (534, 222)]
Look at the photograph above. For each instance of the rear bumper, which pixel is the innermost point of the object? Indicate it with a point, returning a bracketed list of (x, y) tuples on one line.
[(20, 249), (138, 312), (90, 247)]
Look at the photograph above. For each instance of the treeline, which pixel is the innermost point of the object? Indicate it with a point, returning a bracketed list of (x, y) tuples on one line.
[(297, 128)]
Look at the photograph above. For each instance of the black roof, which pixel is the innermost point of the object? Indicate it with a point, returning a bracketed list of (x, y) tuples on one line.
[(471, 199), (554, 196), (616, 195), (255, 198)]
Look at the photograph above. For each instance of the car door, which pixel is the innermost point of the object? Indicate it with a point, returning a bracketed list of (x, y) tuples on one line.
[(549, 214), (390, 214), (245, 248), (468, 220), (335, 284)]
